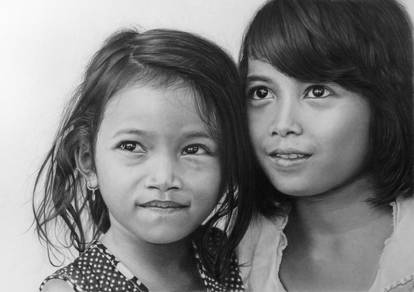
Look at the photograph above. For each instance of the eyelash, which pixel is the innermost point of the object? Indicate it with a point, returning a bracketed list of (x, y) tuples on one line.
[(205, 149), (124, 145), (311, 88), (252, 92), (255, 89)]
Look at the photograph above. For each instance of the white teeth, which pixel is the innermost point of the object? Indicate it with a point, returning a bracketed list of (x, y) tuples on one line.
[(290, 156)]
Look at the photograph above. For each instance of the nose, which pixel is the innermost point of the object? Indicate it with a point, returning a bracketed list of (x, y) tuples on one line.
[(162, 173), (286, 119)]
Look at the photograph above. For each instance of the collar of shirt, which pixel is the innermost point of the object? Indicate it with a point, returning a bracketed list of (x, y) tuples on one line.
[(260, 253)]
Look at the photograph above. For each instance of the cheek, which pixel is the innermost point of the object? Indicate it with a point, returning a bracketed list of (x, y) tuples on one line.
[(345, 140), (257, 126), (204, 183), (115, 179)]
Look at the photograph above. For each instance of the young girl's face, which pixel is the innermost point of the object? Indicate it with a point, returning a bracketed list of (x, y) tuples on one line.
[(156, 163), (310, 138)]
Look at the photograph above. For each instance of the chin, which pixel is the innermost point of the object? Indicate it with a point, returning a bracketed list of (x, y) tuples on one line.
[(296, 192), (294, 189), (163, 236)]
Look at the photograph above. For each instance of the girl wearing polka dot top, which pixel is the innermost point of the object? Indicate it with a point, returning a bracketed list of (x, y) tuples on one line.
[(153, 139)]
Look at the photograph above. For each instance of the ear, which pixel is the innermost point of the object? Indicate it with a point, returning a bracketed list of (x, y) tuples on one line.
[(85, 165)]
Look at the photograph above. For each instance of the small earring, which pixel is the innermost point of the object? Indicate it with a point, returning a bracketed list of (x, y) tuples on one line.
[(93, 190)]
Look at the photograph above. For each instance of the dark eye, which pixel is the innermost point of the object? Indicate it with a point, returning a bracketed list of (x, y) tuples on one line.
[(317, 91), (194, 149), (131, 146), (259, 92)]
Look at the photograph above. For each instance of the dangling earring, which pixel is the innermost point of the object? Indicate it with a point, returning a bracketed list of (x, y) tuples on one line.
[(93, 190)]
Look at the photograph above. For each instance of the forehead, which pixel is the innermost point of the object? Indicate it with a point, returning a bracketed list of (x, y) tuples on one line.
[(258, 70), (257, 67), (162, 110), (142, 97)]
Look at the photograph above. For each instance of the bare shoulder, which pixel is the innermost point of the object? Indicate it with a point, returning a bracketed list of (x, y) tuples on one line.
[(57, 285)]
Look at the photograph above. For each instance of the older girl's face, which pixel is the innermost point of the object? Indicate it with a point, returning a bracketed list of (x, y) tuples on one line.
[(310, 138)]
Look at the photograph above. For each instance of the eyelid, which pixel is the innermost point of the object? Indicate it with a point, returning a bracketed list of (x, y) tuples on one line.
[(138, 145), (253, 88), (325, 87), (206, 149)]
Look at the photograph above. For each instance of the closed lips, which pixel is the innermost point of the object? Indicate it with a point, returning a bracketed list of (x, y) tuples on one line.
[(163, 205)]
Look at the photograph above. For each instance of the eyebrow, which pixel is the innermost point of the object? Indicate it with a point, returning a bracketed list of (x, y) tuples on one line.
[(186, 134), (132, 132), (255, 77), (197, 134)]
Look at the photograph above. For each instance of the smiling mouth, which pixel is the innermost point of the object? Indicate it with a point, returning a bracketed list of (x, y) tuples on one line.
[(288, 158), (168, 205)]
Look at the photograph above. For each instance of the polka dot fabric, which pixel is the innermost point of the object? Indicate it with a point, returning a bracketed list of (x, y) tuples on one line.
[(232, 283), (97, 269)]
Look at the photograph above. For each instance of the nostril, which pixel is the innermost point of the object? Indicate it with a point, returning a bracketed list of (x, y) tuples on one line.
[(163, 185), (284, 130)]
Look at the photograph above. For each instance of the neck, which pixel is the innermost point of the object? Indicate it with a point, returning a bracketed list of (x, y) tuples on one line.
[(157, 255), (158, 266), (335, 240), (338, 212)]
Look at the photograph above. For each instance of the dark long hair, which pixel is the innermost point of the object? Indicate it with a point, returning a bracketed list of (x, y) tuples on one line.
[(164, 57), (366, 46)]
